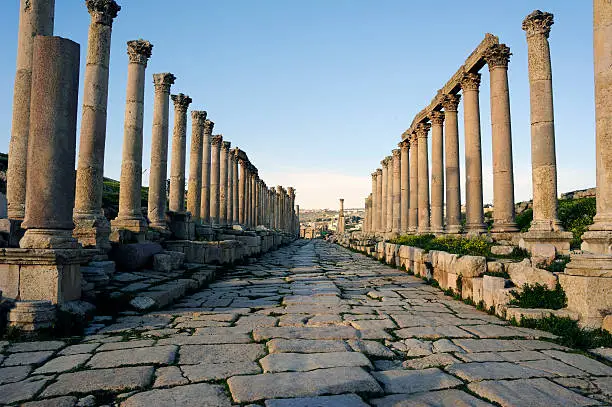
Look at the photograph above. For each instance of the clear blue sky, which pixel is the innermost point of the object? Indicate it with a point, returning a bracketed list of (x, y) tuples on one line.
[(317, 92)]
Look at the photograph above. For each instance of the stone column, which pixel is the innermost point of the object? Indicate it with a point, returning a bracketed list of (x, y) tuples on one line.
[(497, 57), (437, 172), (405, 185), (383, 202), (450, 103), (543, 158), (254, 199), (35, 18), (223, 192), (130, 195), (159, 151), (341, 220), (413, 218), (194, 187), (206, 170), (423, 183), (91, 227), (473, 159), (52, 145), (235, 200), (256, 204), (215, 178), (291, 192), (279, 205), (230, 190), (242, 192), (389, 200), (373, 218), (179, 147), (272, 194), (396, 222), (379, 200), (247, 197)]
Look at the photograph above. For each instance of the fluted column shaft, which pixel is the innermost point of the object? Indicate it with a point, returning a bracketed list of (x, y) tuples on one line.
[(194, 188), (543, 156), (215, 178), (450, 103), (92, 227), (405, 185), (225, 146), (437, 172), (397, 184), (179, 152), (473, 157), (413, 219), (206, 170), (423, 183), (36, 17)]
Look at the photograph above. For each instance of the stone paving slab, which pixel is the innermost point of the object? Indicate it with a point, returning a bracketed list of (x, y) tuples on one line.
[(332, 332), (347, 400), (225, 353), (14, 373), (159, 355), (26, 358), (20, 391), (415, 381), (193, 395), (306, 345), (442, 398), (64, 401), (494, 370), (299, 362), (219, 371)]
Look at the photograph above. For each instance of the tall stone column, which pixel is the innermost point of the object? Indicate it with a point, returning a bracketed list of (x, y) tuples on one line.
[(374, 227), (383, 202), (474, 224), (194, 187), (130, 214), (92, 229), (379, 200), (437, 172), (272, 193), (450, 103), (256, 204), (397, 184), (179, 147), (206, 171), (413, 218), (235, 196), (291, 192), (223, 192), (341, 220), (215, 179), (51, 146), (254, 198), (230, 190), (36, 17), (389, 200), (247, 197), (279, 204), (159, 151), (543, 157), (242, 192), (423, 183), (497, 57), (405, 185)]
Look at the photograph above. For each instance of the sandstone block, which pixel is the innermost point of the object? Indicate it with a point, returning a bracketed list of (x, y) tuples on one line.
[(523, 273), (502, 250), (135, 256), (471, 266), (543, 254), (490, 285)]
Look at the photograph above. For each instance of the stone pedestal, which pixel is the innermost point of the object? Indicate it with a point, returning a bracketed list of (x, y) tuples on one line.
[(181, 225), (32, 316)]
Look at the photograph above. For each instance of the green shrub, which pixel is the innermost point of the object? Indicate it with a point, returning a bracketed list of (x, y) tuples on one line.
[(539, 296), (458, 245), (575, 216), (570, 334), (558, 266), (502, 274), (414, 240), (523, 220)]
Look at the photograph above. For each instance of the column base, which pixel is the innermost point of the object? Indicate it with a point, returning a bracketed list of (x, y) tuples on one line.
[(561, 240), (92, 231), (504, 227), (587, 282), (475, 229), (597, 241), (437, 230), (32, 318), (11, 231), (128, 230), (48, 239), (453, 229), (181, 225)]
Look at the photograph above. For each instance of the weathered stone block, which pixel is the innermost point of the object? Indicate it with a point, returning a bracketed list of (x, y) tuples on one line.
[(490, 285), (471, 266), (522, 273), (589, 296), (135, 255), (9, 280), (543, 254), (502, 250), (477, 289)]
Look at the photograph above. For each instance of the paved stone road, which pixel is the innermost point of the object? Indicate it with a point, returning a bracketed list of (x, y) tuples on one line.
[(309, 325)]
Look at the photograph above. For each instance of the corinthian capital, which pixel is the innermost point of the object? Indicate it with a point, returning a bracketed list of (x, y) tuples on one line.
[(102, 11), (163, 81), (208, 126), (199, 117), (497, 55), (139, 51), (450, 102), (181, 102), (470, 81), (226, 146), (436, 117), (405, 144), (538, 22), (422, 129), (216, 140), (379, 172), (396, 152)]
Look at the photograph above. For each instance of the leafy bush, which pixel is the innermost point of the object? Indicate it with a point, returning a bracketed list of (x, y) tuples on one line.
[(539, 296), (558, 266), (523, 220), (475, 246), (414, 240), (570, 334), (575, 216)]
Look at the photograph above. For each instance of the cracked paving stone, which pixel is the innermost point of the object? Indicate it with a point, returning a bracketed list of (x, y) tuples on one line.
[(371, 348), (302, 384), (493, 371), (13, 373), (442, 398), (194, 354), (160, 355), (63, 363), (35, 346), (437, 359), (415, 381), (27, 358), (289, 332), (65, 401), (300, 362), (218, 371), (344, 400), (21, 391), (433, 332), (169, 376), (80, 348), (581, 362), (193, 395), (306, 346), (126, 345)]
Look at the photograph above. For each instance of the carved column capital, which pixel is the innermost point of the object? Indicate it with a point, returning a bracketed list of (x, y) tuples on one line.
[(422, 129), (378, 172), (470, 81), (374, 174), (208, 126), (414, 140), (216, 140), (404, 145), (163, 81), (450, 102), (199, 117), (437, 117), (181, 102), (102, 11), (139, 51), (497, 55), (538, 23), (396, 152), (225, 146)]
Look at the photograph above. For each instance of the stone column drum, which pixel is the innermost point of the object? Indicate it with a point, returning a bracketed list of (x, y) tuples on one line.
[(437, 172), (474, 224), (413, 218), (395, 225), (225, 146), (215, 178), (497, 57), (92, 229), (179, 147), (51, 145), (405, 185), (159, 151), (423, 183), (130, 214), (450, 104), (379, 200), (36, 17), (194, 187), (206, 152)]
